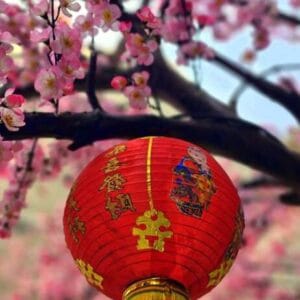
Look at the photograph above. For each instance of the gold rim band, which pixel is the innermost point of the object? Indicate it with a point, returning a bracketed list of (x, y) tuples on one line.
[(155, 289)]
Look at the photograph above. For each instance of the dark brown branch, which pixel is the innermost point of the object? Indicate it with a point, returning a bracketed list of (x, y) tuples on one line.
[(270, 71), (232, 138), (184, 95), (260, 182), (289, 100), (91, 82), (293, 20), (290, 198)]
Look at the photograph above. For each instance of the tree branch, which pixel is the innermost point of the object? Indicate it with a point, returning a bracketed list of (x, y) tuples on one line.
[(274, 69), (91, 82), (232, 138), (289, 100), (293, 20)]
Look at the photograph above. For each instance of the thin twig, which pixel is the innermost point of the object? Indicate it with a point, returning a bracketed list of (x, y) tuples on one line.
[(270, 71), (91, 82), (28, 167)]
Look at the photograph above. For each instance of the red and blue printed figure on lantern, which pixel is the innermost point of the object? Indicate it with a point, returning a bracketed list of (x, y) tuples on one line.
[(193, 185)]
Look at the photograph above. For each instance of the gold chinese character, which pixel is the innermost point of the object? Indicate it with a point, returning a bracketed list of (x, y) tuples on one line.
[(116, 150), (153, 220), (112, 165), (113, 183), (75, 227), (88, 271), (118, 205), (71, 202), (217, 275)]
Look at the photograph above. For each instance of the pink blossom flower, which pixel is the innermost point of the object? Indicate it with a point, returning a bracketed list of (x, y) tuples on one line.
[(141, 78), (174, 30), (6, 152), (6, 38), (40, 8), (86, 24), (261, 38), (48, 83), (125, 26), (40, 35), (67, 40), (67, 5), (70, 67), (119, 82), (12, 100), (6, 65), (12, 118), (193, 50), (108, 15), (138, 96), (205, 20), (146, 15), (295, 3), (140, 49)]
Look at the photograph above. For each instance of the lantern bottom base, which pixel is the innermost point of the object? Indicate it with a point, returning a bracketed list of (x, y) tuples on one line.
[(155, 288)]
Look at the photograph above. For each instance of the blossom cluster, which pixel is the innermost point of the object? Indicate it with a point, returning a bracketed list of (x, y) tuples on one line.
[(138, 92), (20, 178)]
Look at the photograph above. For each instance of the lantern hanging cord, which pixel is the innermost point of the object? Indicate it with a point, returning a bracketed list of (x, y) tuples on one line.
[(148, 165)]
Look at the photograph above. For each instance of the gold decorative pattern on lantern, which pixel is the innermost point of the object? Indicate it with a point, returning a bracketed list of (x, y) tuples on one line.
[(116, 150), (112, 165), (88, 271), (71, 202), (217, 275), (231, 252), (153, 220), (113, 182), (76, 226), (117, 205), (155, 288)]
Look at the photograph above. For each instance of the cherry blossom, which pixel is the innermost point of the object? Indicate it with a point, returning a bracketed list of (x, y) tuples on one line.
[(12, 118), (119, 82), (67, 5), (138, 96), (146, 15), (11, 100), (86, 24), (67, 40), (141, 49), (71, 68), (48, 83), (40, 8), (193, 50), (108, 15), (141, 78), (40, 35)]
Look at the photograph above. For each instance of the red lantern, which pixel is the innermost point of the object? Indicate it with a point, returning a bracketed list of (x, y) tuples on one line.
[(153, 215)]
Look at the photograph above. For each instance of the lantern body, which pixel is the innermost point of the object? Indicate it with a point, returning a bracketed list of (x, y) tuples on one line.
[(153, 207)]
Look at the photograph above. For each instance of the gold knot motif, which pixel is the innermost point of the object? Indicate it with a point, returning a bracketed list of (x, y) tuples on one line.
[(155, 224), (88, 271)]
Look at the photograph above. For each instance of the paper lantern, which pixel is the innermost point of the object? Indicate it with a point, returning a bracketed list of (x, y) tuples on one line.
[(153, 216)]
